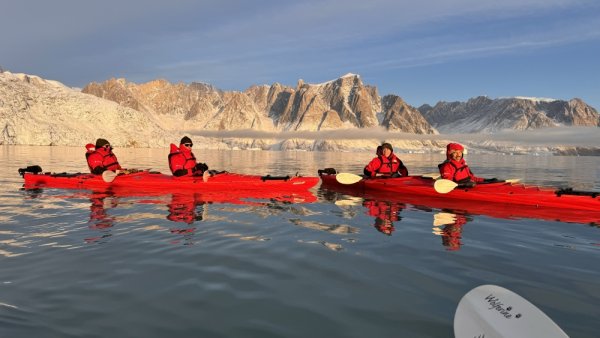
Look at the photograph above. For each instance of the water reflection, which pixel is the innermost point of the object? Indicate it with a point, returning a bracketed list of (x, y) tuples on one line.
[(449, 226), (448, 216), (99, 218), (186, 208), (385, 214), (183, 208), (339, 195)]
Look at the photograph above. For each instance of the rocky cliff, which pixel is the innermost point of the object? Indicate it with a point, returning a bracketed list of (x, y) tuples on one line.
[(344, 103)]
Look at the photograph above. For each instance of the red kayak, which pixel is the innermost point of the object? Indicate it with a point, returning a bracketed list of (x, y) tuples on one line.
[(146, 180), (505, 200)]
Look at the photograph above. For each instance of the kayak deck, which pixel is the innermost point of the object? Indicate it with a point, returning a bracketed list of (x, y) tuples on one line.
[(154, 180)]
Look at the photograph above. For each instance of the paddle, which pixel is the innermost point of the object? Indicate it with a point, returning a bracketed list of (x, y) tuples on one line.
[(492, 311), (205, 176), (443, 186), (109, 175), (348, 178)]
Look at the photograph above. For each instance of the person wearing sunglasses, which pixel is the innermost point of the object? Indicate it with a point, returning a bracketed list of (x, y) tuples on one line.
[(182, 161), (455, 168), (101, 158)]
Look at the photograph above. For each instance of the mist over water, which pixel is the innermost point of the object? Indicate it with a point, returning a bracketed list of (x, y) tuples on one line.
[(79, 263), (559, 136)]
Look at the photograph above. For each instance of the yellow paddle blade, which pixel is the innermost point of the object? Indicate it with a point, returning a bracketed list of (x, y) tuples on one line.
[(347, 178), (444, 186), (513, 180)]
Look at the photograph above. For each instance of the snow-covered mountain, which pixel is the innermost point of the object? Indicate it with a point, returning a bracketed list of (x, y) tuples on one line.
[(42, 112), (482, 114), (36, 111)]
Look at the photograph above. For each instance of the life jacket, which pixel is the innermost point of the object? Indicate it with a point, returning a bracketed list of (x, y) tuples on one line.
[(457, 171), (181, 158), (386, 166), (101, 158), (89, 150)]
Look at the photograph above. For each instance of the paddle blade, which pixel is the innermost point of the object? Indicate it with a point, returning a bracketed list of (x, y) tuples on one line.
[(513, 180), (444, 186), (205, 176), (491, 311), (347, 178), (109, 176)]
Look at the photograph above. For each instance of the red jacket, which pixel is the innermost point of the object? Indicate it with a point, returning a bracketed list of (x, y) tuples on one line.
[(386, 166), (457, 171), (182, 161), (101, 160)]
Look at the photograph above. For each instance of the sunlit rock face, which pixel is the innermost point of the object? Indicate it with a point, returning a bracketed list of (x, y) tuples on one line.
[(43, 112)]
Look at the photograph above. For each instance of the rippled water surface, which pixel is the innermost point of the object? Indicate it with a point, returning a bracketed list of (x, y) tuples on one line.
[(77, 263)]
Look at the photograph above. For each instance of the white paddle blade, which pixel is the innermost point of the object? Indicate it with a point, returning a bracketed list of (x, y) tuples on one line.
[(492, 311), (513, 180), (205, 176), (347, 178), (444, 186), (109, 176)]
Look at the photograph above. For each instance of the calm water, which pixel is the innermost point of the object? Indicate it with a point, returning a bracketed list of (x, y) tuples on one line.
[(83, 264)]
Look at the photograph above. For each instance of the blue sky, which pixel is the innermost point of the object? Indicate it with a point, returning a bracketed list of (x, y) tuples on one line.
[(424, 51)]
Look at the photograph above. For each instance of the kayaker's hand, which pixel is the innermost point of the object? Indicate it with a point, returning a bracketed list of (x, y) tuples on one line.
[(202, 167)]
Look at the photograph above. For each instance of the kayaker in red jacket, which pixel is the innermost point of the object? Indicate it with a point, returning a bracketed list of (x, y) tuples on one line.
[(455, 168), (101, 158), (386, 164), (182, 161)]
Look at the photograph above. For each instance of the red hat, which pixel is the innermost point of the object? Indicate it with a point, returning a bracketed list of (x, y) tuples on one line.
[(90, 147), (452, 147)]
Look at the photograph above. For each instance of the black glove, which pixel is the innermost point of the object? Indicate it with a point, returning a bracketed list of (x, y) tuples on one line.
[(201, 167), (491, 180), (466, 184)]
